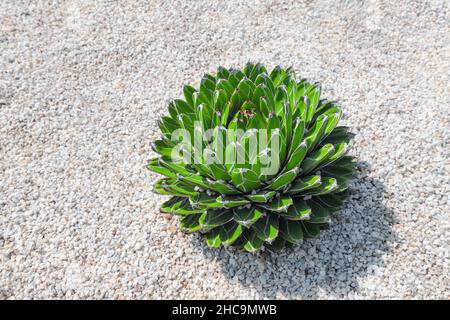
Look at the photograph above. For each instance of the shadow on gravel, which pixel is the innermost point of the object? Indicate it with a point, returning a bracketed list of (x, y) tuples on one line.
[(351, 248)]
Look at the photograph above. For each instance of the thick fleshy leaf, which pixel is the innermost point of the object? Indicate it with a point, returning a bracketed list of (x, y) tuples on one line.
[(267, 227), (215, 218), (291, 230), (163, 147), (316, 133), (188, 92), (213, 238), (298, 211), (277, 245), (223, 73), (339, 152), (251, 241), (190, 222), (330, 201), (187, 208), (207, 84), (220, 172), (245, 179), (153, 165), (175, 188), (247, 217), (233, 201), (222, 187), (167, 126), (261, 197), (314, 97), (297, 156), (226, 86), (317, 158), (327, 185), (305, 183), (172, 204), (339, 135), (278, 204), (245, 89), (195, 180), (283, 180), (176, 167), (230, 232), (319, 213), (205, 200), (297, 135), (310, 230)]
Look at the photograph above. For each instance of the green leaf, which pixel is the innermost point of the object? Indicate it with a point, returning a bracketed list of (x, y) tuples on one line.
[(207, 84), (297, 135), (177, 168), (184, 108), (340, 151), (187, 208), (205, 115), (247, 217), (153, 165), (298, 211), (316, 133), (245, 179), (231, 202), (291, 230), (330, 201), (190, 222), (310, 229), (283, 180), (172, 204), (223, 73), (339, 135), (314, 97), (278, 204), (226, 86), (219, 172), (204, 200), (317, 158), (267, 228), (333, 120), (163, 147), (174, 187), (319, 213), (305, 183), (230, 232), (167, 126), (222, 187), (252, 242), (245, 89), (327, 185), (261, 197), (215, 218), (277, 245), (188, 92), (235, 77), (213, 238), (195, 180), (297, 157)]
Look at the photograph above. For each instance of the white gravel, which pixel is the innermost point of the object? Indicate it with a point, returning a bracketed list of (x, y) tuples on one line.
[(83, 82)]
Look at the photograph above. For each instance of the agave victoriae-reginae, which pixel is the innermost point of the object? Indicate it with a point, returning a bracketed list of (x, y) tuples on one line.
[(253, 159)]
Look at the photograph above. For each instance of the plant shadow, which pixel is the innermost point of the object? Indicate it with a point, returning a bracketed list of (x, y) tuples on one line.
[(351, 248)]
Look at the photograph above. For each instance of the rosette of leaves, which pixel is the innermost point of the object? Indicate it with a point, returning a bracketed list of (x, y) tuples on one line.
[(240, 204)]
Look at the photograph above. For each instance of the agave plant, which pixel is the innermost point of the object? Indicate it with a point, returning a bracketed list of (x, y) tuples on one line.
[(242, 203)]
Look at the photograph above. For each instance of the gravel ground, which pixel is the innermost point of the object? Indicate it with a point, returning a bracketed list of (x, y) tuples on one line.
[(82, 84)]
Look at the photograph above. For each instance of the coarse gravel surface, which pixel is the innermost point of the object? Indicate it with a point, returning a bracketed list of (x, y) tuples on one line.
[(82, 84)]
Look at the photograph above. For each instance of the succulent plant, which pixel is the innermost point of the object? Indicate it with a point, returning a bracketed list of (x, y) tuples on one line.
[(253, 190)]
